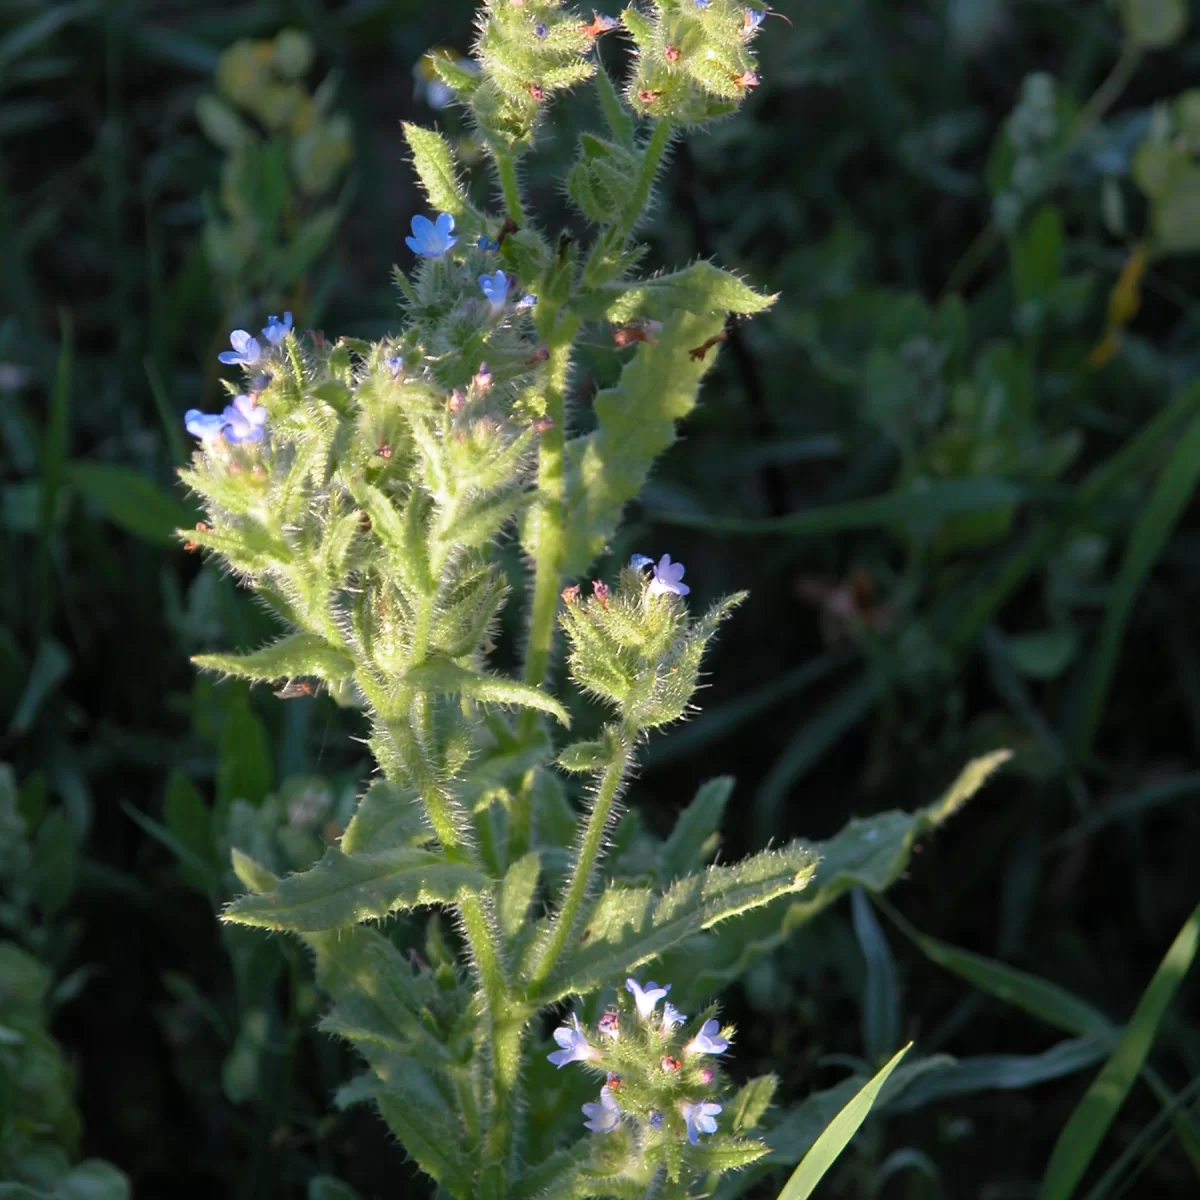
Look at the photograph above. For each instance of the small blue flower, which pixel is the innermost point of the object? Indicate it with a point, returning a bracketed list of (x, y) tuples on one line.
[(639, 562), (540, 30), (486, 243), (671, 1017), (667, 578), (655, 1120), (700, 1118), (430, 239), (246, 350), (260, 383), (708, 1040), (703, 3), (205, 426), (645, 998), (574, 1043), (605, 1116), (395, 364), (526, 301), (276, 329), (244, 420), (495, 288), (753, 19)]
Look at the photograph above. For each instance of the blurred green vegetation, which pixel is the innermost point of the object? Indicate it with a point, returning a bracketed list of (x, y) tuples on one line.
[(955, 466)]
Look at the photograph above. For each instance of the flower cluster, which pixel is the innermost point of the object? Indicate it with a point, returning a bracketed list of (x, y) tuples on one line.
[(635, 645), (656, 1078), (243, 419)]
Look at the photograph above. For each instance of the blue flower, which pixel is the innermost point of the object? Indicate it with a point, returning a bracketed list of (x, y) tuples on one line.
[(639, 562), (700, 1118), (276, 329), (667, 578), (495, 288), (431, 240), (703, 3), (246, 350), (540, 30), (655, 1120), (205, 426), (671, 1017), (753, 19), (395, 364), (708, 1040), (244, 420), (605, 1116), (486, 243), (645, 998), (526, 301), (574, 1043)]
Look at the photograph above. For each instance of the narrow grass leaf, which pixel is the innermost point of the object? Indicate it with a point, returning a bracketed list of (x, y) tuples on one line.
[(131, 501), (1082, 1134), (837, 1135), (1146, 543)]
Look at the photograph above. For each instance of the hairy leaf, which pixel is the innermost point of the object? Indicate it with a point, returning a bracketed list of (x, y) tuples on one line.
[(343, 889), (442, 675), (294, 656), (435, 166), (630, 926)]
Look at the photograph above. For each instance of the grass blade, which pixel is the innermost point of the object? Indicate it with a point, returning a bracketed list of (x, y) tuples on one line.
[(936, 502), (837, 1135), (54, 453), (1082, 1134), (1146, 542)]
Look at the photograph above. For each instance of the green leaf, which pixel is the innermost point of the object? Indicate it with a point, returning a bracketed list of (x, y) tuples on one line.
[(189, 820), (244, 771), (419, 1117), (131, 501), (516, 893), (631, 926), (991, 1072), (746, 1109), (1045, 654), (442, 675), (870, 853), (635, 423), (325, 1187), (694, 838), (1081, 1136), (1147, 541), (435, 166), (221, 125), (837, 1135), (881, 993), (387, 817), (1154, 24), (722, 1154), (930, 503), (345, 889), (54, 864), (294, 656), (701, 289), (251, 874)]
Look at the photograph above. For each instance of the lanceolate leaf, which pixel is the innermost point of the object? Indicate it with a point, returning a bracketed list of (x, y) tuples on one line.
[(630, 926), (292, 657), (700, 289), (870, 853), (342, 889), (435, 166), (635, 423), (421, 1120), (442, 675)]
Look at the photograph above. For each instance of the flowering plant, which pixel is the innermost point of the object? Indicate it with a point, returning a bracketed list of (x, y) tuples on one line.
[(363, 490)]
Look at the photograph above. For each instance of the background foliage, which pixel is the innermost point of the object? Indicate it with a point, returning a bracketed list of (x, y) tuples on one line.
[(954, 467)]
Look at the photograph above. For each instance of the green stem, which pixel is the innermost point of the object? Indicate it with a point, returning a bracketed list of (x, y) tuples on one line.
[(589, 852), (506, 167), (656, 147), (550, 545)]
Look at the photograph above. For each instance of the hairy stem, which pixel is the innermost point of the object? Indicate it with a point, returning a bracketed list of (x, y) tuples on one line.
[(656, 147), (589, 852), (506, 168), (550, 545)]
